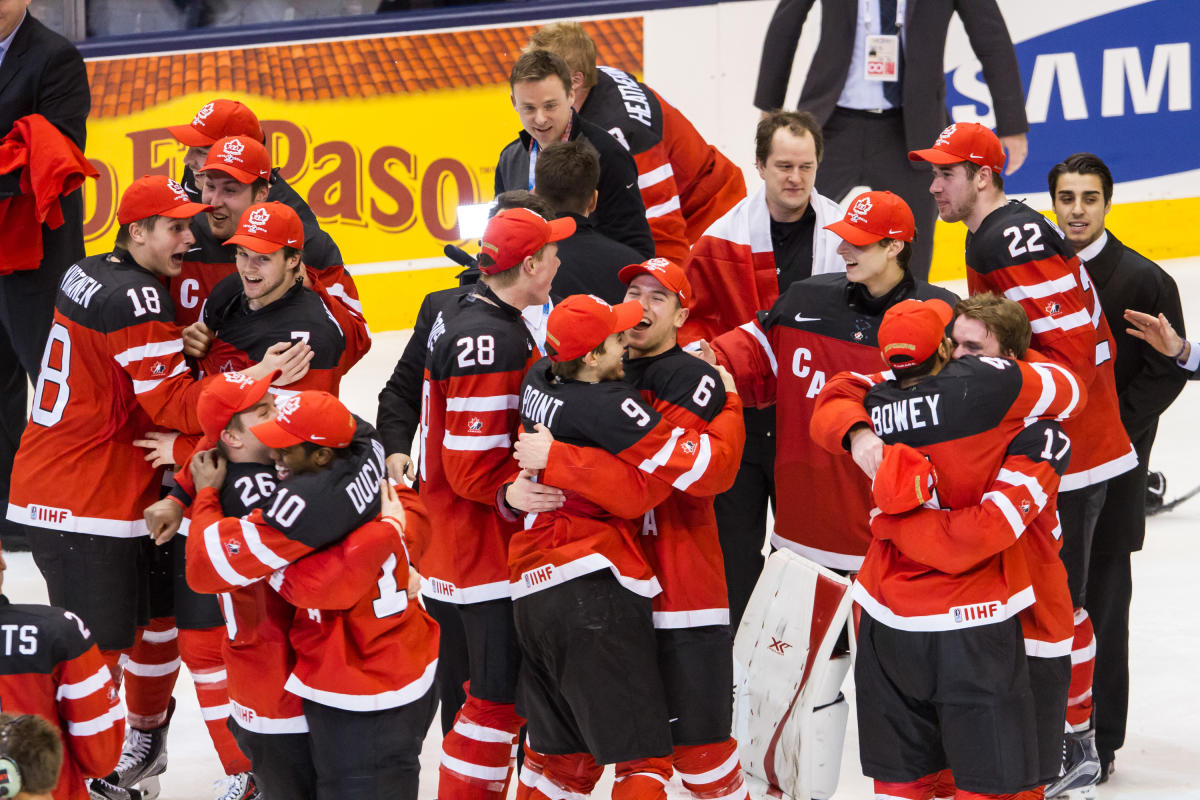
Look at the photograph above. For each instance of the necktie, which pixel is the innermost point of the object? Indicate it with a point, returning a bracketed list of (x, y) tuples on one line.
[(888, 26)]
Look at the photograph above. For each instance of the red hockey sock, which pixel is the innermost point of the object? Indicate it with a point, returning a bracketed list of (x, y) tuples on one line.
[(711, 771), (642, 779), (564, 776), (150, 673), (530, 772), (920, 789), (115, 660), (943, 785), (201, 651), (1031, 794), (1083, 665), (479, 752)]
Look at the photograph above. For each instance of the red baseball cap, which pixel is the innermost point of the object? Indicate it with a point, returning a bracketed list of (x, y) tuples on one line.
[(905, 480), (217, 119), (912, 330), (515, 233), (579, 324), (964, 141), (240, 157), (874, 216), (266, 227), (310, 416), (668, 273), (228, 394), (156, 196)]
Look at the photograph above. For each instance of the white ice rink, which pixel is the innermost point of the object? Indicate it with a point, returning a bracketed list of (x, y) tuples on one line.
[(1161, 757)]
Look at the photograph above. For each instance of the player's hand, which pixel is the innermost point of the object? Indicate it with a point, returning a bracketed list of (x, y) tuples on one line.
[(727, 380), (1158, 333), (1017, 146), (290, 358), (390, 504), (161, 447), (702, 350), (532, 450), (163, 519), (867, 449), (197, 338), (525, 495), (401, 466), (208, 470)]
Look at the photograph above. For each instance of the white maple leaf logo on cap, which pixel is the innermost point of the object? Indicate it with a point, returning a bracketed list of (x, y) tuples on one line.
[(259, 216), (237, 378), (601, 301), (288, 408), (659, 264), (178, 191), (860, 210), (944, 136), (202, 114), (233, 149)]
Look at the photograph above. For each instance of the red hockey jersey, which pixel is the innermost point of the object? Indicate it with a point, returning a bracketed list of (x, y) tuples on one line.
[(591, 531), (51, 667), (732, 266), (360, 644), (469, 419), (998, 467), (686, 183), (1020, 254), (819, 327), (113, 369)]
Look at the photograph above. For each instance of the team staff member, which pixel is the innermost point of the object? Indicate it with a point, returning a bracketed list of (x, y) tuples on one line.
[(222, 118), (686, 183), (477, 358), (1015, 251), (365, 658), (941, 670), (52, 668), (876, 98), (1081, 188), (542, 97), (741, 264)]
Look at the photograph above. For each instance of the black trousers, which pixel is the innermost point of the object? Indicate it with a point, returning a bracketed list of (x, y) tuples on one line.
[(1110, 582), (864, 149), (1078, 511), (741, 512), (282, 763), (453, 667), (369, 755)]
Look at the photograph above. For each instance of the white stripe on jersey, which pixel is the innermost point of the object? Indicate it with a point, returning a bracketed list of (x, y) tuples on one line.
[(260, 550), (495, 402), (97, 724), (661, 458), (151, 350), (454, 442), (81, 689), (663, 209), (699, 467), (216, 555), (1069, 322), (141, 387), (656, 175), (1014, 478), (1013, 517), (367, 702), (1034, 291), (752, 328)]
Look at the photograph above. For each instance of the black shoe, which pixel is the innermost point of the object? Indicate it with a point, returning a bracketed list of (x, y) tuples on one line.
[(143, 759)]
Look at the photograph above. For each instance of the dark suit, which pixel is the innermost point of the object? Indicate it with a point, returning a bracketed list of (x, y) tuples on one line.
[(41, 73), (1146, 384), (872, 149)]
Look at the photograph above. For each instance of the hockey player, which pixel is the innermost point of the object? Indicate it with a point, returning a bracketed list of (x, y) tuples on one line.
[(1015, 251), (478, 355), (769, 240), (52, 668), (686, 183), (214, 120), (542, 97), (578, 568), (332, 468), (941, 672)]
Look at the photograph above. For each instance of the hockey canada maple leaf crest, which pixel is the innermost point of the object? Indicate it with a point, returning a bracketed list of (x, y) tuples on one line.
[(233, 547), (860, 210), (475, 425), (944, 136), (158, 369), (258, 219), (178, 191), (1053, 308), (689, 447), (232, 151), (289, 407), (202, 114)]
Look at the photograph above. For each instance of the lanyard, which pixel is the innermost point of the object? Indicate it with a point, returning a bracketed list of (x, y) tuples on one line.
[(534, 149), (865, 12)]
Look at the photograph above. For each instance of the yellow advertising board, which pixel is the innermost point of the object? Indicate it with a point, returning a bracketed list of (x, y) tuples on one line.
[(383, 136)]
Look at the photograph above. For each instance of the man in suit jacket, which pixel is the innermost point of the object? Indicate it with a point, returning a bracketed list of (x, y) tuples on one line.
[(40, 73), (871, 124), (1081, 188)]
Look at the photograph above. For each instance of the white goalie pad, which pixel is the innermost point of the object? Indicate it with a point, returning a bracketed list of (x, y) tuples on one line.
[(784, 673)]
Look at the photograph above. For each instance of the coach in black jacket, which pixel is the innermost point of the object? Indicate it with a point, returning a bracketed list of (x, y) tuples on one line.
[(1081, 188), (41, 73), (620, 213), (867, 140)]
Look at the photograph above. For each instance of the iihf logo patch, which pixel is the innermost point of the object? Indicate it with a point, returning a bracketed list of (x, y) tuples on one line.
[(957, 611), (860, 210), (475, 425)]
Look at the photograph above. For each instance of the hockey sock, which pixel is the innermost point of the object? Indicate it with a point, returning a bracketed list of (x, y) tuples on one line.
[(566, 776), (1083, 665), (920, 789), (711, 771), (150, 673), (477, 754), (201, 651), (530, 771), (943, 785), (116, 664), (642, 779), (1031, 794)]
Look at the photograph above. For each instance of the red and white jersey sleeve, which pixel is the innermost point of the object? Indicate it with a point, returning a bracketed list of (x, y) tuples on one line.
[(339, 294), (52, 668)]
